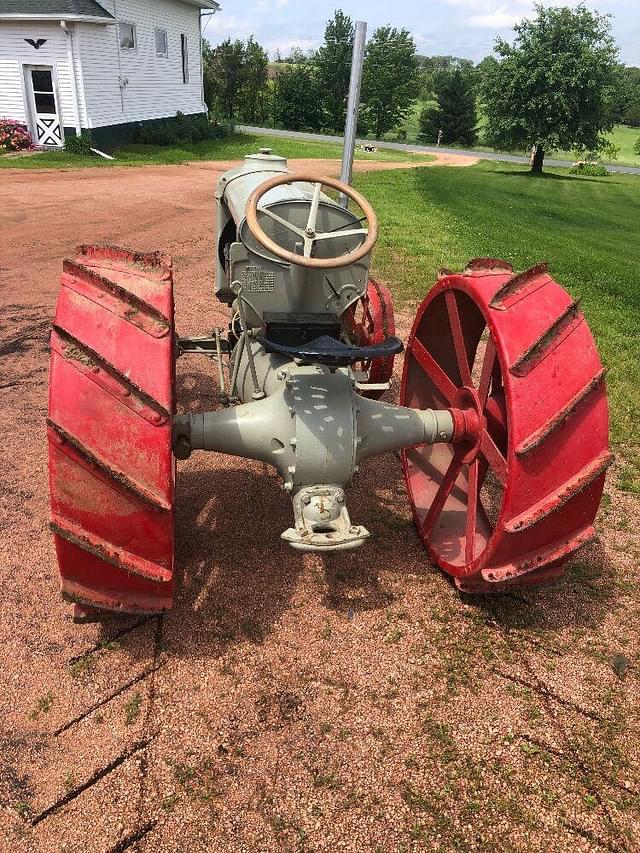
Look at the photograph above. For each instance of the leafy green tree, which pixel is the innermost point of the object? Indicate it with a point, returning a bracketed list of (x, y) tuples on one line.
[(554, 87), (628, 104), (389, 78), (207, 76), (481, 70), (224, 75), (296, 98), (455, 113), (435, 68), (236, 80), (253, 92), (333, 60)]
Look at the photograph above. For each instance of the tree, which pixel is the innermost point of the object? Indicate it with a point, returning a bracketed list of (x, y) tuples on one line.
[(554, 87), (429, 123), (207, 76), (389, 78), (627, 109), (333, 60), (433, 69), (456, 113), (235, 79), (481, 70), (296, 98), (224, 74), (253, 94)]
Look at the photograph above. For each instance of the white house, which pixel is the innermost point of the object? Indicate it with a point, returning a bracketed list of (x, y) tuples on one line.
[(67, 65)]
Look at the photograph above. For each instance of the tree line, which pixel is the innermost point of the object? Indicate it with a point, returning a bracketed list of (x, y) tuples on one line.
[(309, 91), (558, 85)]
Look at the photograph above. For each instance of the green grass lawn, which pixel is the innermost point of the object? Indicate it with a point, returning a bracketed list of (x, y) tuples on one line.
[(230, 148), (587, 229)]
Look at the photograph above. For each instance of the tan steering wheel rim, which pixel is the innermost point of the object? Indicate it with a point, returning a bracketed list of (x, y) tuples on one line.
[(301, 260)]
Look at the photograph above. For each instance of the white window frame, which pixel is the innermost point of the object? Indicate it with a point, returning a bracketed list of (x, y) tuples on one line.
[(133, 32), (165, 53)]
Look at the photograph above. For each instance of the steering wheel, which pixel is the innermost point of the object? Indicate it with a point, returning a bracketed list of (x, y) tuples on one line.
[(309, 236)]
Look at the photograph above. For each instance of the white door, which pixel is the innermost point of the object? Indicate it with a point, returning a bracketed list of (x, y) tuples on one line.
[(47, 126)]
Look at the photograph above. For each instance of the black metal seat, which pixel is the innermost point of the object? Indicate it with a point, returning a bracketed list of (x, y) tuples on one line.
[(332, 352)]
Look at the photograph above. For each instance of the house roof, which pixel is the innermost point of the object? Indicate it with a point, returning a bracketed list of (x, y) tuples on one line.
[(204, 4), (71, 9), (53, 9)]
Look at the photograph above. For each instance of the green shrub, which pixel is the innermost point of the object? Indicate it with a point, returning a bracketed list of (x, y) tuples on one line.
[(165, 134), (143, 135), (181, 130), (79, 144), (593, 170), (204, 129), (636, 146)]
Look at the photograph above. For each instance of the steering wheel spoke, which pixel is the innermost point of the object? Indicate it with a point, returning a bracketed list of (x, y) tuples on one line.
[(313, 210), (307, 246), (329, 235), (308, 235), (288, 225)]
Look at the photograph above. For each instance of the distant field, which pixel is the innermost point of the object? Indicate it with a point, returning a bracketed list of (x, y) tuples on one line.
[(621, 136), (230, 148), (587, 229), (624, 138)]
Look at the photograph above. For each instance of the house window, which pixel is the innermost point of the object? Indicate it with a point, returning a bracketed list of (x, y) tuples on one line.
[(126, 36), (162, 45), (185, 58)]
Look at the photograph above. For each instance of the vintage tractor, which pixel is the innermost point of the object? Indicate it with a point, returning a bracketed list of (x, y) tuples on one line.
[(501, 427)]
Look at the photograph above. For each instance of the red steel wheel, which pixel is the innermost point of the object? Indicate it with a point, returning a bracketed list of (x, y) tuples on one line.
[(510, 505), (373, 322), (111, 401)]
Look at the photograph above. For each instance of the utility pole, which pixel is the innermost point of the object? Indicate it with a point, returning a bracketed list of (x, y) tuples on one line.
[(353, 104)]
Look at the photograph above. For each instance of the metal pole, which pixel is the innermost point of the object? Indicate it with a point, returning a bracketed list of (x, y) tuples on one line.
[(353, 103)]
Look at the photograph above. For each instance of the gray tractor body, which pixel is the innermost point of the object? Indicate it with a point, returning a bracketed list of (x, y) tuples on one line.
[(300, 413)]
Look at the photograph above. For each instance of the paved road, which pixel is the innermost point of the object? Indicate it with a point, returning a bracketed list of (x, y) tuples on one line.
[(420, 149)]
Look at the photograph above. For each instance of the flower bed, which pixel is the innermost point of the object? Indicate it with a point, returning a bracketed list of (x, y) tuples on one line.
[(14, 136)]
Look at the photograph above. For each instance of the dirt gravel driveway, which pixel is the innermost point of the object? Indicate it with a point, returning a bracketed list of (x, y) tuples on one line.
[(289, 702)]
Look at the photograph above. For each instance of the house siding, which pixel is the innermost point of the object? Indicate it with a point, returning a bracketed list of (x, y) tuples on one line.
[(15, 53), (155, 88)]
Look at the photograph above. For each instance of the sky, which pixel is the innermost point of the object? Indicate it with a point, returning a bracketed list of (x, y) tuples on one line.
[(464, 28)]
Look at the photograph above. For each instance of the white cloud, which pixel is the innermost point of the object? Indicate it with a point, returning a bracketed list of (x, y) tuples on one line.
[(489, 14), (500, 19), (222, 26), (286, 45), (498, 14), (424, 43), (263, 6)]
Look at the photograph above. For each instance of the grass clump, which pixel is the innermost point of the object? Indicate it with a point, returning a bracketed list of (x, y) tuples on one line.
[(81, 664), (43, 706), (132, 709)]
